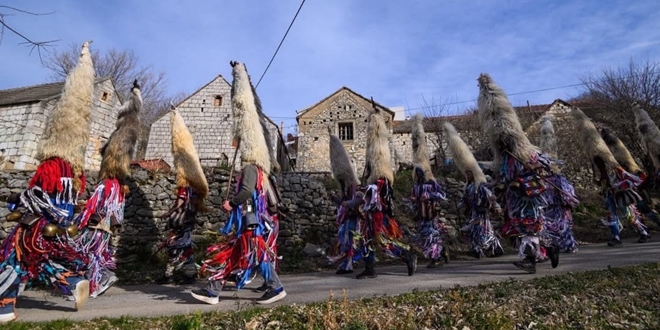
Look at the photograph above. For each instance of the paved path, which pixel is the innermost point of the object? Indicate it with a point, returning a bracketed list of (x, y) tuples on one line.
[(156, 300)]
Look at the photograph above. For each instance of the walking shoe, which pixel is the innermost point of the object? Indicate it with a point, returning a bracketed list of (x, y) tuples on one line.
[(435, 264), (445, 255), (81, 293), (614, 242), (644, 239), (262, 288), (7, 312), (204, 295), (271, 296), (526, 265), (164, 280), (498, 252), (367, 273), (105, 286), (411, 262), (344, 271), (553, 255)]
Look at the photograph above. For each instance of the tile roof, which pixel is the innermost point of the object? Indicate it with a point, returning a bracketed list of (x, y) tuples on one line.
[(33, 93), (302, 112)]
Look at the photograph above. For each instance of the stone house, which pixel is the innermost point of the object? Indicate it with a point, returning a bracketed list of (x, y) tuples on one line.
[(24, 113), (345, 113), (208, 116)]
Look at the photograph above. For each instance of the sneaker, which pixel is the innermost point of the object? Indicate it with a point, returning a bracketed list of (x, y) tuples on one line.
[(435, 264), (81, 293), (644, 239), (499, 251), (262, 288), (7, 317), (367, 274), (553, 255), (205, 296), (271, 296), (165, 280), (105, 286), (344, 271), (411, 262), (614, 242), (445, 255), (526, 265)]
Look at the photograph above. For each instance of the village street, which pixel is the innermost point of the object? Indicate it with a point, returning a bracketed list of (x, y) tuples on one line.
[(156, 300)]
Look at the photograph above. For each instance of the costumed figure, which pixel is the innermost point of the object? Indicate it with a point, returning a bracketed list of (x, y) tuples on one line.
[(649, 136), (617, 185), (559, 193), (253, 224), (520, 169), (40, 249), (426, 194), (478, 200), (103, 213), (191, 191), (625, 159), (379, 228), (349, 218)]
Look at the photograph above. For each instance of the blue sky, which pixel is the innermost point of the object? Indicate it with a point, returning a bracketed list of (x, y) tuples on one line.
[(399, 52)]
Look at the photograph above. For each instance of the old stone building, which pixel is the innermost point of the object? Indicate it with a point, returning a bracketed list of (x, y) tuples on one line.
[(24, 113), (208, 115), (345, 112)]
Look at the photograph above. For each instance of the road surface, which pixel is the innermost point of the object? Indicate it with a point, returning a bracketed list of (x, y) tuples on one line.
[(156, 300)]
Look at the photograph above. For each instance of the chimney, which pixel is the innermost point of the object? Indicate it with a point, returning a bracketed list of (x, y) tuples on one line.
[(282, 127)]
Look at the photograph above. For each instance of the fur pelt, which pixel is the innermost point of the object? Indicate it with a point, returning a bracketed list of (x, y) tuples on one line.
[(463, 157), (118, 151), (593, 144), (420, 152), (500, 122), (67, 132), (274, 163), (649, 134), (548, 141), (378, 162), (619, 151), (340, 164), (248, 129), (186, 161)]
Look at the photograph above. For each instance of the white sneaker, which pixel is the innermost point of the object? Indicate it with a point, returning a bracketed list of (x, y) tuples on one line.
[(204, 296), (112, 280), (81, 293), (8, 317)]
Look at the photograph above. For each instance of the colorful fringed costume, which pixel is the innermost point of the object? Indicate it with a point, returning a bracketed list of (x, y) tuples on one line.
[(620, 198), (40, 248), (431, 231), (558, 214)]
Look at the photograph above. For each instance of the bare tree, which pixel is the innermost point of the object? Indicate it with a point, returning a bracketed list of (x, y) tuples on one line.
[(434, 114), (39, 46), (607, 99)]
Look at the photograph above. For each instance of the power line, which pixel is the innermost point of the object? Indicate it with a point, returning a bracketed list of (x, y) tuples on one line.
[(280, 45)]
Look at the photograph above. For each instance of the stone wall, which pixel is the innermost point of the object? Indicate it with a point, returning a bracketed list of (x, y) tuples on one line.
[(210, 125), (22, 126)]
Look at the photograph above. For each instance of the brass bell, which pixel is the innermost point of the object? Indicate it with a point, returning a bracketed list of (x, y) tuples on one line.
[(72, 230), (50, 230), (14, 216)]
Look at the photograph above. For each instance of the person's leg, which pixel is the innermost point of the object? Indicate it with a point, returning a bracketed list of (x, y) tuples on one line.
[(275, 290), (9, 287), (78, 287), (369, 270), (209, 294)]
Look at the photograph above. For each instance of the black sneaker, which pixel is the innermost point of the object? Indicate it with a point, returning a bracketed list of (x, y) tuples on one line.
[(553, 255), (367, 273), (498, 252), (526, 265), (411, 262), (262, 288), (644, 239), (205, 296), (271, 296), (614, 242), (445, 255), (164, 280), (342, 271)]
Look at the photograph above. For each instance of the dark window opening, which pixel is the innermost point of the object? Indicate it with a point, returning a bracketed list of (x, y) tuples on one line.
[(105, 96), (202, 109), (316, 138), (217, 101), (203, 101), (346, 131)]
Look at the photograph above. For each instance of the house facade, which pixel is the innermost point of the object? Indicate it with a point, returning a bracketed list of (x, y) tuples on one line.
[(24, 114), (208, 116)]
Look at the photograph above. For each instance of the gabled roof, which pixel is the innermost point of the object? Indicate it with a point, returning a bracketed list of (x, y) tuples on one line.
[(34, 93), (343, 88)]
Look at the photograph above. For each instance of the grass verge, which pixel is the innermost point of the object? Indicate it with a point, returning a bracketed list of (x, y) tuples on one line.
[(616, 298)]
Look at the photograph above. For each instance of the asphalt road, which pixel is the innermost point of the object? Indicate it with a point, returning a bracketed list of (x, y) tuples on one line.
[(157, 300)]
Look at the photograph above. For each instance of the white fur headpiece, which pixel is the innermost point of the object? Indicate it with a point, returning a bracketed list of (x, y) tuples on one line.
[(591, 141), (67, 132), (340, 164), (420, 152), (548, 140), (463, 157), (620, 152), (649, 134), (189, 171), (378, 155), (248, 130), (500, 121)]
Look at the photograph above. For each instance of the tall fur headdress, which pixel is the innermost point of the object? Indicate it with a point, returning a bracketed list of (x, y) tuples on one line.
[(463, 157), (548, 141), (649, 134), (591, 141), (186, 161), (274, 163), (378, 157), (340, 164), (500, 121), (67, 132), (118, 151), (619, 151), (248, 129), (420, 152)]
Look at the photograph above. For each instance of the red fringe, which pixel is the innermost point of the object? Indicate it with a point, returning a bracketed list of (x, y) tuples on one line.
[(50, 172)]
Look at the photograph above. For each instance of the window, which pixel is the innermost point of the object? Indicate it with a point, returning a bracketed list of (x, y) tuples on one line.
[(234, 143), (105, 96), (217, 102), (346, 131)]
